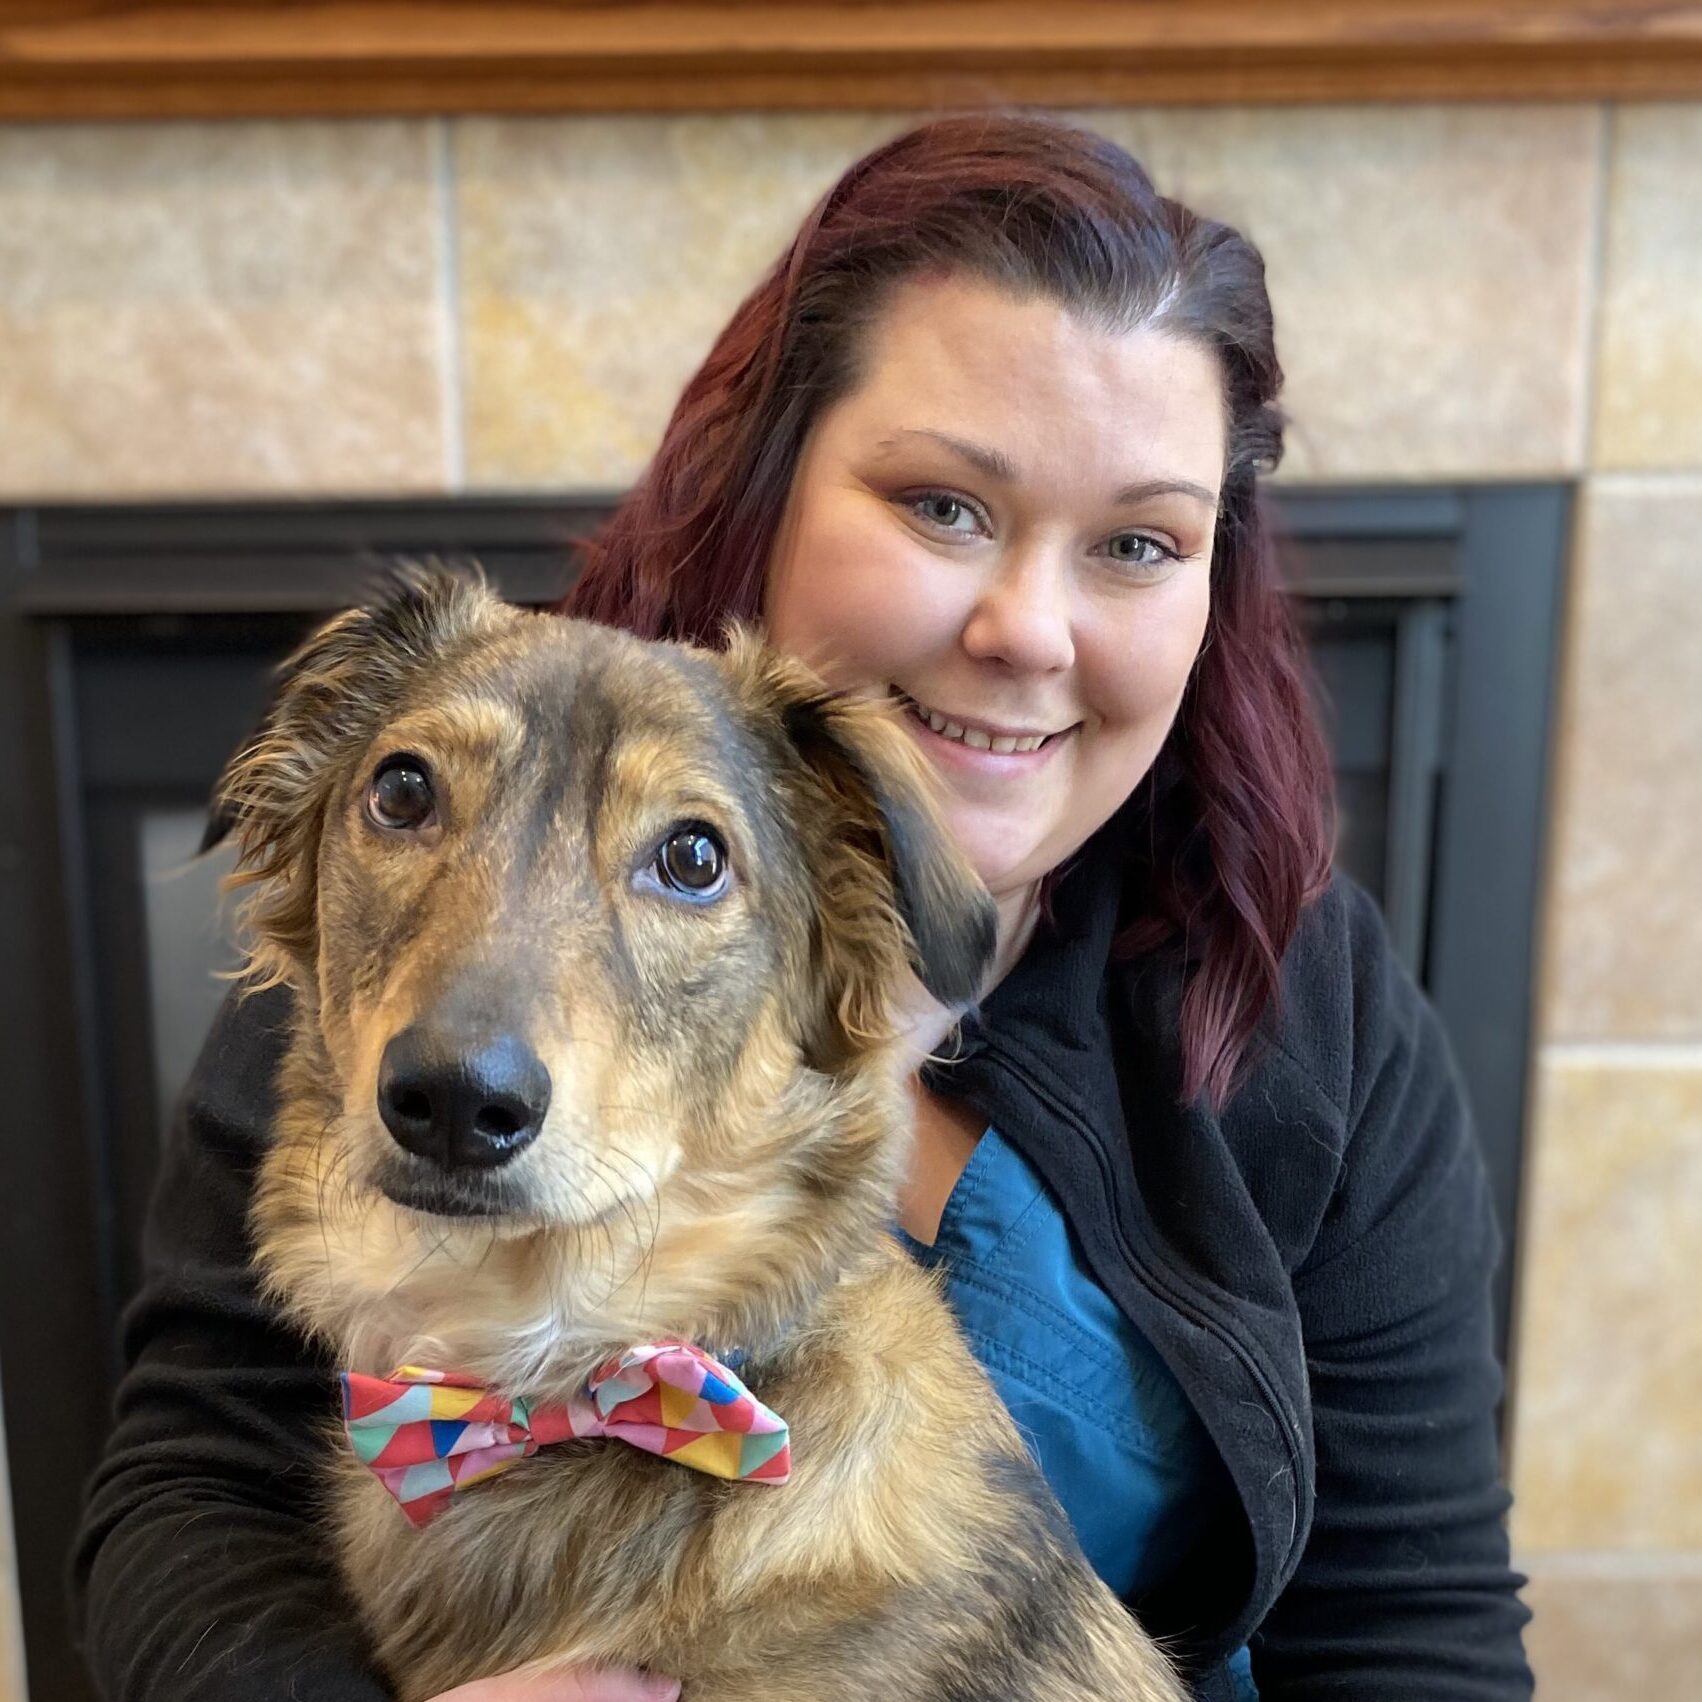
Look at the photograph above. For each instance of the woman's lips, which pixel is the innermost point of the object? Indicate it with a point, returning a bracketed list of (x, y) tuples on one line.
[(983, 735), (954, 753)]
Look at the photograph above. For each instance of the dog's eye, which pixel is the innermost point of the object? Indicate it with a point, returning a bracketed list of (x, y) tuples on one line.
[(400, 796), (693, 862)]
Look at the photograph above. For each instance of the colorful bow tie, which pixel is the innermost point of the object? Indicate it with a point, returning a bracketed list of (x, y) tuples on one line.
[(426, 1434)]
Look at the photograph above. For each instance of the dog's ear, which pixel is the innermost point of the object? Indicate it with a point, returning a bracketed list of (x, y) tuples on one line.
[(332, 696), (878, 849)]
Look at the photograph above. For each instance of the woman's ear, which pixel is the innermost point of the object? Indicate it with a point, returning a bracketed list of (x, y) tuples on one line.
[(333, 694), (893, 886)]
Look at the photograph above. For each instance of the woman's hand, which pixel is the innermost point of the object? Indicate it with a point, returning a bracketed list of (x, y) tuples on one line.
[(572, 1684)]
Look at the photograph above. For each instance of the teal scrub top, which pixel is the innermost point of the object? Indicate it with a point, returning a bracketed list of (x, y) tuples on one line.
[(1109, 1426)]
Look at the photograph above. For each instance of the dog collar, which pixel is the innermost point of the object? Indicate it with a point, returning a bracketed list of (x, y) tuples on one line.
[(425, 1434)]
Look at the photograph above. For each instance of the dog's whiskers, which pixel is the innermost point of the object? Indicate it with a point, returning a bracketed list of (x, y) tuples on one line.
[(419, 1264), (653, 1198), (312, 1157), (625, 1206)]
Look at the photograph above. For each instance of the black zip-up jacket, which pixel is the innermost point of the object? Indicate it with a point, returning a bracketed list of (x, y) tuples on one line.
[(1313, 1263)]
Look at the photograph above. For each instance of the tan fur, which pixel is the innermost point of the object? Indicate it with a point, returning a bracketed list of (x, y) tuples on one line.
[(719, 1162)]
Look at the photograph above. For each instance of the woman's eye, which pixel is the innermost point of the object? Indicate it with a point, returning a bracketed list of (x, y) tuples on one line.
[(692, 861), (946, 512), (400, 797), (1135, 549)]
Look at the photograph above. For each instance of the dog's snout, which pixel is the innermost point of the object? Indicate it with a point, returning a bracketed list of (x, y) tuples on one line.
[(463, 1107)]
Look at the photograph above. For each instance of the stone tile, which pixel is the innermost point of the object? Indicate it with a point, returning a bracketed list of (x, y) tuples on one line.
[(598, 259), (220, 308), (1429, 268), (1649, 352), (1607, 1399), (1611, 1637), (1625, 889)]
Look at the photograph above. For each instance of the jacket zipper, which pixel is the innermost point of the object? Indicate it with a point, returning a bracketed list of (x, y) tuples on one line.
[(1161, 1287)]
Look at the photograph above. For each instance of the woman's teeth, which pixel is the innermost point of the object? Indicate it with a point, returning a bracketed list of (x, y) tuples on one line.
[(973, 736)]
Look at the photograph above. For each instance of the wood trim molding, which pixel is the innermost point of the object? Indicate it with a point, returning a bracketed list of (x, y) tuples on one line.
[(68, 59)]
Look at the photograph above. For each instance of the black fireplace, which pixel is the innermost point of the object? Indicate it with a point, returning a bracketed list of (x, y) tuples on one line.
[(134, 650)]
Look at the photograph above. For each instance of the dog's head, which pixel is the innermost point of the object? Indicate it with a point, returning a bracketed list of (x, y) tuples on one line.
[(595, 942)]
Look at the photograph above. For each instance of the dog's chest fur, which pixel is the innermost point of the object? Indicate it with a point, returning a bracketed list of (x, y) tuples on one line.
[(595, 1551)]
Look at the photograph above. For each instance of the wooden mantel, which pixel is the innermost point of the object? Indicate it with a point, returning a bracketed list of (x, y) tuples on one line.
[(213, 58)]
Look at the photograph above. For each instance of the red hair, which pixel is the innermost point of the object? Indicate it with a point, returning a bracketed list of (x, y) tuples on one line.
[(1236, 820)]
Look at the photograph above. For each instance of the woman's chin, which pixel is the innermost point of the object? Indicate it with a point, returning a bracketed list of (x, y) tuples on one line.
[(1008, 862)]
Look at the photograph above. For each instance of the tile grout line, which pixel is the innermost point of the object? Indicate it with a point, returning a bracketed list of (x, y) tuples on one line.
[(1623, 1055), (1595, 292), (1660, 1564), (450, 352), (1624, 479)]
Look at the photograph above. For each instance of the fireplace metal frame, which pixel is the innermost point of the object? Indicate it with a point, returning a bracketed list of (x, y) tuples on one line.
[(1484, 568)]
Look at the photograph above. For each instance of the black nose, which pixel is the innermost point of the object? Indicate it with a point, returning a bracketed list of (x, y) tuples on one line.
[(462, 1107)]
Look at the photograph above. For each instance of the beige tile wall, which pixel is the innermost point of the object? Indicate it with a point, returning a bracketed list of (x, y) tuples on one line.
[(599, 257), (1608, 1393), (1625, 935), (1649, 375), (356, 307), (1462, 292), (221, 309), (1609, 1443), (1607, 1635)]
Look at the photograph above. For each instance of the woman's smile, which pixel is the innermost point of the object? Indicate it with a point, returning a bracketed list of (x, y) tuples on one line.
[(992, 747), (979, 734)]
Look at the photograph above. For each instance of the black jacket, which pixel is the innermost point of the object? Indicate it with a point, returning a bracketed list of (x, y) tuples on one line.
[(1313, 1264)]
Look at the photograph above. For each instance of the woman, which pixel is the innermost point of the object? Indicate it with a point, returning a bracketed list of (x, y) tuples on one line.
[(986, 440)]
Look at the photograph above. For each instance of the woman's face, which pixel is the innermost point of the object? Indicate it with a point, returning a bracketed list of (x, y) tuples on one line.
[(1008, 525)]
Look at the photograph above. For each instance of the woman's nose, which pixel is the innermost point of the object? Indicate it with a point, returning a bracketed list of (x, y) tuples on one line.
[(1022, 616)]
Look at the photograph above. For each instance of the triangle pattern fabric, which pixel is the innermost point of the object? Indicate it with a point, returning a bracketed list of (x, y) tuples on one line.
[(425, 1433)]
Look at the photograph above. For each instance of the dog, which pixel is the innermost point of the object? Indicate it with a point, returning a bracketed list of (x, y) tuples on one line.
[(593, 944)]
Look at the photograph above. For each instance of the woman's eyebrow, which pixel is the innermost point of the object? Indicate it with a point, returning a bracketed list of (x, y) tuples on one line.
[(993, 462), (997, 465), (1145, 489)]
